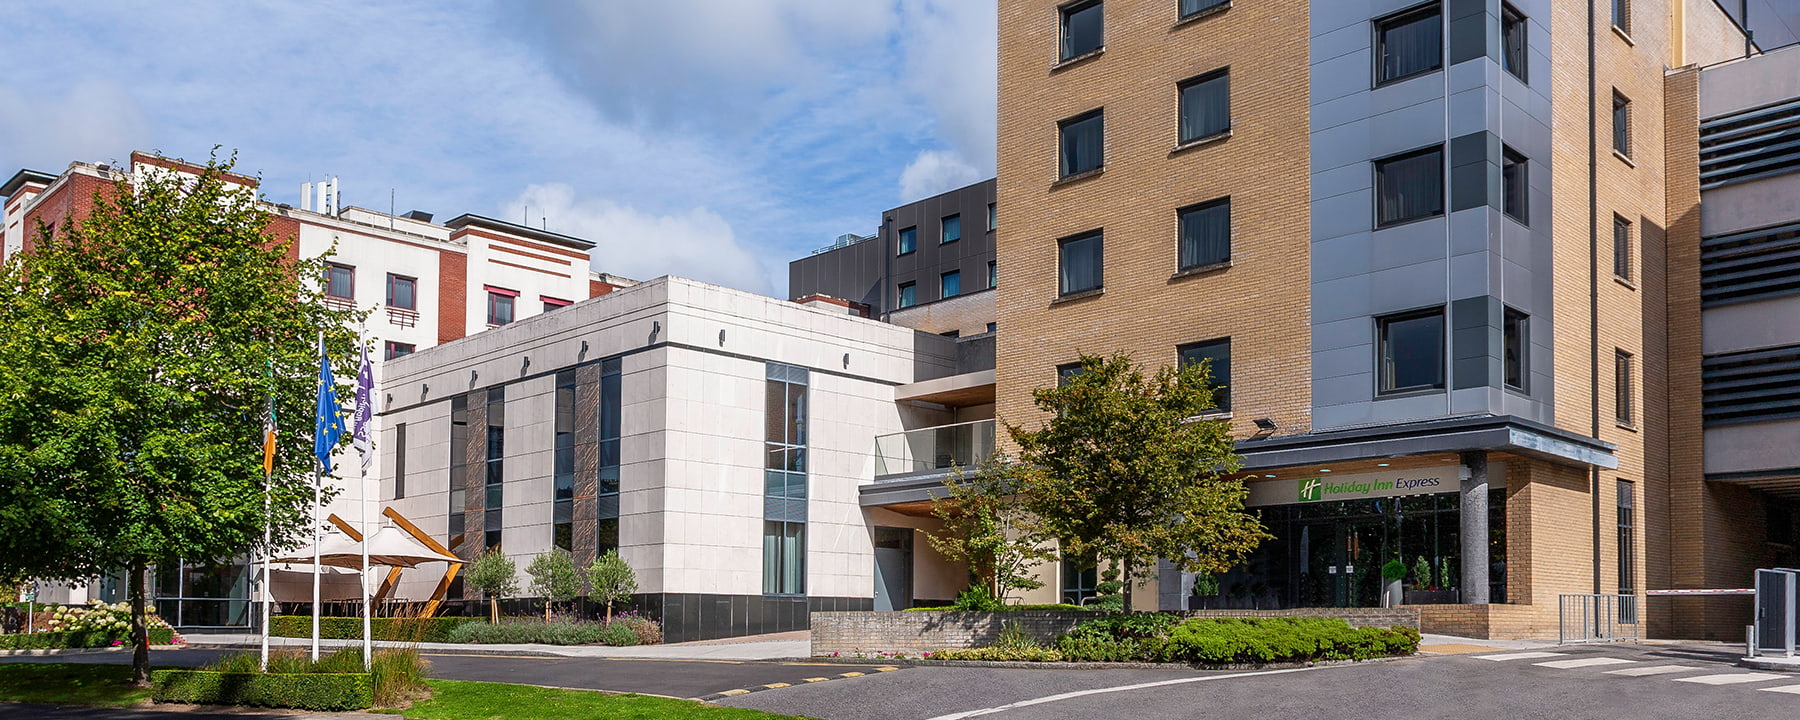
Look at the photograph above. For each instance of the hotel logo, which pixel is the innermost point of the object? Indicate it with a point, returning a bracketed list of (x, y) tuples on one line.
[(1311, 490)]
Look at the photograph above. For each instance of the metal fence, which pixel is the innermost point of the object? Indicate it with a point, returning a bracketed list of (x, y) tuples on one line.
[(1598, 618)]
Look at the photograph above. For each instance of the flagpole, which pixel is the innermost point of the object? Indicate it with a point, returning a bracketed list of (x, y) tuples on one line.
[(318, 489), (268, 533), (365, 396)]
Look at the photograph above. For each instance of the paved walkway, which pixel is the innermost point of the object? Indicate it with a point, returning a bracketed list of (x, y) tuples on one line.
[(780, 646)]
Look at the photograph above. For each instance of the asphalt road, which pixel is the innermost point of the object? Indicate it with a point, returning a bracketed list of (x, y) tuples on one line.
[(1464, 686)]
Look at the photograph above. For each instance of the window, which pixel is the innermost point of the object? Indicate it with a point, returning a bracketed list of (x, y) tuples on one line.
[(1622, 248), (1082, 260), (340, 281), (606, 535), (1408, 44), (1190, 8), (1205, 106), (1412, 351), (402, 292), (993, 275), (1082, 143), (991, 327), (1218, 354), (993, 217), (1627, 538), (909, 240), (562, 486), (399, 461), (1621, 15), (784, 558), (950, 284), (496, 463), (1080, 580), (1082, 29), (1068, 371), (1623, 405), (1205, 233), (551, 303), (459, 469), (952, 229), (1515, 348), (397, 349), (1512, 42), (611, 405), (1409, 186), (909, 294), (1621, 124), (784, 480), (500, 306), (1514, 185)]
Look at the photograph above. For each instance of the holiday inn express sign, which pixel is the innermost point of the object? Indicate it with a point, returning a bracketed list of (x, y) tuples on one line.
[(1394, 483)]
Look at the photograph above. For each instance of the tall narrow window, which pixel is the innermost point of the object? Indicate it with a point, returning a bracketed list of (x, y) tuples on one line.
[(399, 461), (993, 275), (1205, 233), (1083, 28), (1621, 15), (951, 228), (993, 217), (1408, 44), (950, 284), (909, 294), (500, 306), (402, 292), (1217, 353), (1409, 186), (1190, 8), (1621, 122), (1411, 351), (1083, 143), (1080, 580), (1082, 261), (611, 412), (1512, 42), (1622, 248), (496, 464), (1624, 408), (340, 281), (909, 240), (1515, 185), (458, 506), (1627, 538), (1515, 342), (562, 487), (1205, 106), (784, 480)]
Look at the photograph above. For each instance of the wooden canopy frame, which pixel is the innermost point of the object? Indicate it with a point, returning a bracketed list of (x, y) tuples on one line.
[(393, 576)]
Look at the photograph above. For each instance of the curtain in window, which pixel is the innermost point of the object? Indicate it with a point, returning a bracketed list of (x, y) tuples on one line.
[(1410, 187), (1411, 45), (1081, 264), (771, 557), (1205, 108), (1206, 235), (1082, 145)]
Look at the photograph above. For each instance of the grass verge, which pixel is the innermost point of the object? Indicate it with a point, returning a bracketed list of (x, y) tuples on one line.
[(101, 685), (458, 700)]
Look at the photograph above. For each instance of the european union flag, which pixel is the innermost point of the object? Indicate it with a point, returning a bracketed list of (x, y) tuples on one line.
[(330, 427)]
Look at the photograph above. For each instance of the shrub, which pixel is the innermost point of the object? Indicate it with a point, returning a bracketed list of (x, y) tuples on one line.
[(649, 632), (1055, 607), (1000, 654), (306, 691), (1122, 637), (1262, 640), (976, 598), (397, 674), (435, 629), (80, 639), (559, 631)]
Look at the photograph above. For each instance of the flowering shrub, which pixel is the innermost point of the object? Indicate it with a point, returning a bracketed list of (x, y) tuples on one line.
[(96, 617)]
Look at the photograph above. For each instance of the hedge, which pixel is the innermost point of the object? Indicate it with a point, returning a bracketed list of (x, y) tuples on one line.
[(305, 691), (1056, 607), (78, 639), (1220, 641), (435, 629)]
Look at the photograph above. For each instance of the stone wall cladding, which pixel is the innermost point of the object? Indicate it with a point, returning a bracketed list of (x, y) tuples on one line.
[(919, 632)]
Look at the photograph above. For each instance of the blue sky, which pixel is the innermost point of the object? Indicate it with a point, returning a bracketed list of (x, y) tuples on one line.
[(716, 139)]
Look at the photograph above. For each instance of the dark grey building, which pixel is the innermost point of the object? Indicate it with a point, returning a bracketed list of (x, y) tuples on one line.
[(930, 250)]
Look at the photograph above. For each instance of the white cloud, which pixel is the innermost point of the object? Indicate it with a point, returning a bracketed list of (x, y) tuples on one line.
[(933, 172), (696, 244), (96, 120), (951, 63)]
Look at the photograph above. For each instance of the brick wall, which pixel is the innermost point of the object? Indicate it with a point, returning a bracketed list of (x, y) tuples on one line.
[(453, 295), (918, 632)]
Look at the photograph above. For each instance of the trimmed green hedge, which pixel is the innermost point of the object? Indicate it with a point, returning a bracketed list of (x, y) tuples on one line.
[(1058, 607), (1221, 641), (78, 639), (305, 691), (434, 630)]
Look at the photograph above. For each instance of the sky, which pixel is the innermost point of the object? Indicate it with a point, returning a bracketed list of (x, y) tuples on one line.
[(714, 139)]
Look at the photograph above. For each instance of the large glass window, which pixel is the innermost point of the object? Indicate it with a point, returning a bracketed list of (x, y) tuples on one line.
[(496, 464), (1409, 186), (1205, 106), (1205, 233), (1082, 263), (1513, 48), (1514, 185), (1412, 351), (950, 284), (1218, 354), (1515, 341), (951, 228), (1083, 29), (909, 240), (562, 493), (1621, 122), (785, 478), (1083, 143), (402, 292), (340, 281), (1408, 44), (784, 558)]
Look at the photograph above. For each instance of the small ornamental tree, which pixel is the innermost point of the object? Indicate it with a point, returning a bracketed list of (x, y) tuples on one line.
[(496, 576), (553, 577), (1126, 469), (986, 529), (612, 580)]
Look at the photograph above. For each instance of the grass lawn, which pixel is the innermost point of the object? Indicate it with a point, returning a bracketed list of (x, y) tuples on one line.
[(69, 684), (457, 700)]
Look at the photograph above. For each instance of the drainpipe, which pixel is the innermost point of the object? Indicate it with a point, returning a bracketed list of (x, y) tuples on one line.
[(1593, 283)]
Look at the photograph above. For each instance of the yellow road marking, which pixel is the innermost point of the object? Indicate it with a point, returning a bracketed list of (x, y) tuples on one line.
[(814, 679), (733, 693), (773, 686), (850, 674), (886, 669)]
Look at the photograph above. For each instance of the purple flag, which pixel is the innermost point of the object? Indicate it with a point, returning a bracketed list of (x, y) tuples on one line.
[(361, 424)]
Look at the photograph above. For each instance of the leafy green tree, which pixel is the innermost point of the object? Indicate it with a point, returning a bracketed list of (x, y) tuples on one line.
[(553, 577), (138, 348), (984, 528), (496, 576), (1125, 469), (612, 580)]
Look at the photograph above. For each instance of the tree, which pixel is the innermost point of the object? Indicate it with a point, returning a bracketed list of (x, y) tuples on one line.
[(553, 577), (138, 348), (496, 576), (1125, 469), (612, 580), (986, 529)]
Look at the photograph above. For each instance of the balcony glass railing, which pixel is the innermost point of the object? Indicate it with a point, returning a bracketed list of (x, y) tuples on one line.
[(936, 448)]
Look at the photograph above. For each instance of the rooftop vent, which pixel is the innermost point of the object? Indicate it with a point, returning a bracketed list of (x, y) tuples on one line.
[(419, 215)]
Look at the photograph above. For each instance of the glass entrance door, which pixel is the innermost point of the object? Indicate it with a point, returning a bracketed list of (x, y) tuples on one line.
[(1340, 562)]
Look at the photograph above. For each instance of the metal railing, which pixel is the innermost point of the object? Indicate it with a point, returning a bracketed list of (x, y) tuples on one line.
[(963, 445), (1598, 618)]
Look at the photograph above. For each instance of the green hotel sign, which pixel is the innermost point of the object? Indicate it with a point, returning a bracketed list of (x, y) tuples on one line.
[(1326, 488)]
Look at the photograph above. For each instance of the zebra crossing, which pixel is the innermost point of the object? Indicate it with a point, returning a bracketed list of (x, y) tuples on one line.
[(1694, 674)]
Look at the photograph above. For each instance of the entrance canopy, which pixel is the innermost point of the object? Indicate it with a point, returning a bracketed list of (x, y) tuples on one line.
[(390, 546)]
